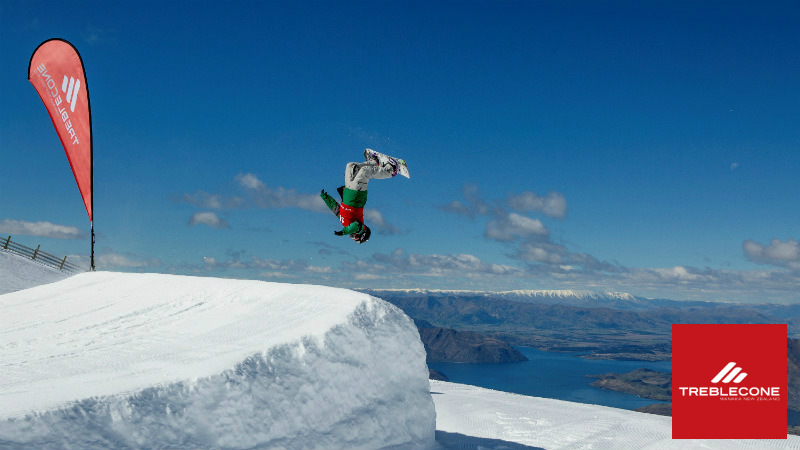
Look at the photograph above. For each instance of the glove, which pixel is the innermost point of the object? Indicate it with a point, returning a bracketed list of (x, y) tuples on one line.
[(339, 233)]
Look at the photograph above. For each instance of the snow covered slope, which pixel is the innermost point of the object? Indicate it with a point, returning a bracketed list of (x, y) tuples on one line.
[(470, 417), (112, 360), (18, 272)]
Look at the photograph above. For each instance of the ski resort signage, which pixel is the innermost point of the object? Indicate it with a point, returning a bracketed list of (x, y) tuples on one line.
[(729, 381), (56, 71)]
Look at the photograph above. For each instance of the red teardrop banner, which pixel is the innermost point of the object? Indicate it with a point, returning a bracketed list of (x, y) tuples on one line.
[(56, 71)]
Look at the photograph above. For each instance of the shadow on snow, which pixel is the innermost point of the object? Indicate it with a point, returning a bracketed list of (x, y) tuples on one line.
[(456, 441)]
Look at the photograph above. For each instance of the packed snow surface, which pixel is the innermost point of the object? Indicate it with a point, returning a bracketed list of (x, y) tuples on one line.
[(18, 272), (470, 417), (112, 360)]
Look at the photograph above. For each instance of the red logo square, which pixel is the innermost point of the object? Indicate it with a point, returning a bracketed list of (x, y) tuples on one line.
[(729, 381)]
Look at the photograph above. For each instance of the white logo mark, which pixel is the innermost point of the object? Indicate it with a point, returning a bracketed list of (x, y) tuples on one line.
[(72, 91), (731, 371)]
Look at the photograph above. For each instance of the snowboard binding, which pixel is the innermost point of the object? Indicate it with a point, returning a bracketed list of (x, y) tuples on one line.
[(397, 165), (371, 156)]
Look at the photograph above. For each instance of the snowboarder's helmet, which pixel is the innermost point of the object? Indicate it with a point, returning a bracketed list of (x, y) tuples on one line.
[(363, 236)]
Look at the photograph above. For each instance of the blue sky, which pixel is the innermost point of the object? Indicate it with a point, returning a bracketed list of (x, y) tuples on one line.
[(642, 147)]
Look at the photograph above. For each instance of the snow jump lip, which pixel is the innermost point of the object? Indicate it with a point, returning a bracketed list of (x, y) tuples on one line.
[(122, 332), (216, 363)]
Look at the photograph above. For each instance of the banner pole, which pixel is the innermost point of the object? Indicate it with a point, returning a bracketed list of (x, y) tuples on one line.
[(92, 267)]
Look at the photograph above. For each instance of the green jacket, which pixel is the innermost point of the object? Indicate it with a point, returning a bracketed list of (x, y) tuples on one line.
[(351, 211)]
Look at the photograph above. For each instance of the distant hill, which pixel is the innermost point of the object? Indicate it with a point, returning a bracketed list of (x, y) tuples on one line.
[(448, 345), (645, 383), (460, 309), (610, 325)]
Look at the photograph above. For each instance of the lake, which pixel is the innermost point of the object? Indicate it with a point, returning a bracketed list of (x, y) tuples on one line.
[(559, 375), (553, 375)]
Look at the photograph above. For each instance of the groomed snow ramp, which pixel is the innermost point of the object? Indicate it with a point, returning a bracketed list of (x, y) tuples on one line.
[(113, 360)]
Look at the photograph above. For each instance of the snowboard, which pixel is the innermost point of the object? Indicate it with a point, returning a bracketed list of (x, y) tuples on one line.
[(402, 167)]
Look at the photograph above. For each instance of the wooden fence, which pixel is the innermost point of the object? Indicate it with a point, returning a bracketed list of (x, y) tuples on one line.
[(38, 255)]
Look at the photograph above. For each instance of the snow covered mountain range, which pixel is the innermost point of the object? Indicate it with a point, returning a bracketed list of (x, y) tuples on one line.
[(582, 298), (568, 293)]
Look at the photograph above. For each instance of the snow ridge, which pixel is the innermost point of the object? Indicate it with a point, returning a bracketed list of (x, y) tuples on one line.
[(592, 295), (105, 360)]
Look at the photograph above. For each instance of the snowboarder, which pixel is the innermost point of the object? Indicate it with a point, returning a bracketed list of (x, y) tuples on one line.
[(354, 192)]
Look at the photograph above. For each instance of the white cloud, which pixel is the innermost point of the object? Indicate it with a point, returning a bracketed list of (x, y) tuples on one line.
[(374, 219), (556, 265), (276, 275), (734, 166), (514, 226), (541, 252), (545, 264), (266, 267), (265, 197), (259, 195), (43, 229), (551, 258), (117, 261), (474, 206), (209, 219), (777, 253), (202, 199), (367, 277), (552, 205), (533, 240), (249, 181), (456, 207), (110, 260), (681, 274), (399, 263)]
